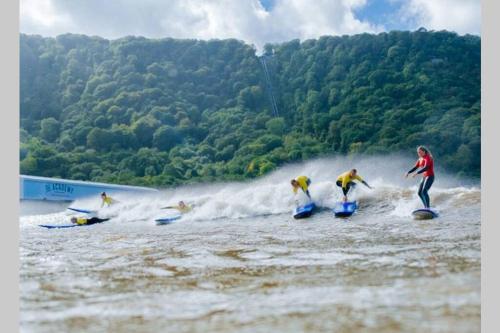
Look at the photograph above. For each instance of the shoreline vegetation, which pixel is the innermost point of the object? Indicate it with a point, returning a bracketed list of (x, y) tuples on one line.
[(156, 112)]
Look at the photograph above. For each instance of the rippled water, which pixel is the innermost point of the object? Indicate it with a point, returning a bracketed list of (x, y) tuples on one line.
[(378, 271)]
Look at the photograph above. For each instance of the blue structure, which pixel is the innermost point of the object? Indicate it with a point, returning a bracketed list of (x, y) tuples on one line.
[(42, 188)]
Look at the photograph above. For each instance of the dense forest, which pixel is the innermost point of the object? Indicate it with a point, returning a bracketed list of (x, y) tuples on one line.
[(169, 111)]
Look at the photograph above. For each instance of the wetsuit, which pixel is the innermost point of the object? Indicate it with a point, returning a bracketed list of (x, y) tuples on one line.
[(108, 201), (92, 220), (346, 181), (304, 183), (426, 165), (185, 209)]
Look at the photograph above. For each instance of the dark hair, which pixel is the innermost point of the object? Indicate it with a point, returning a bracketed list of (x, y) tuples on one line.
[(293, 181), (425, 150), (354, 170), (103, 193)]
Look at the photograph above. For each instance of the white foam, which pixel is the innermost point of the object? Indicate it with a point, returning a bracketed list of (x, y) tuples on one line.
[(273, 194)]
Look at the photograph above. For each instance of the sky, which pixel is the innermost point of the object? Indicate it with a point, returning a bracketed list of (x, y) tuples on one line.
[(256, 22)]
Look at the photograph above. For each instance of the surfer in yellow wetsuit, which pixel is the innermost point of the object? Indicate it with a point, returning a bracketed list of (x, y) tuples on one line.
[(346, 181), (81, 220), (303, 183), (181, 207), (107, 200)]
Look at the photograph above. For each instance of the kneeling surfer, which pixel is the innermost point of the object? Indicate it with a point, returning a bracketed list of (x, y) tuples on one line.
[(107, 200), (425, 166), (303, 183), (92, 220), (346, 181)]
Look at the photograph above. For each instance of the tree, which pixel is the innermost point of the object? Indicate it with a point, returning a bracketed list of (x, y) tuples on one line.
[(99, 139), (49, 129), (144, 129), (276, 126), (165, 138)]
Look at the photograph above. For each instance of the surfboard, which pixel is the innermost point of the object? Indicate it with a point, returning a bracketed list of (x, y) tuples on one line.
[(86, 211), (167, 220), (424, 214), (304, 211), (61, 226), (345, 209)]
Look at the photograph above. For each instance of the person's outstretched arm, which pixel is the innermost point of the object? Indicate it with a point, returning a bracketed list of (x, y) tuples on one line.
[(366, 184), (415, 167), (358, 177)]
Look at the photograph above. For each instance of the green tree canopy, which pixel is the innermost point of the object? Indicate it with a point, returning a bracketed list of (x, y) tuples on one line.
[(170, 111)]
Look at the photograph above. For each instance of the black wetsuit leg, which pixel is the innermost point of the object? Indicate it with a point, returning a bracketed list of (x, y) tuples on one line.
[(348, 187), (95, 220), (423, 189)]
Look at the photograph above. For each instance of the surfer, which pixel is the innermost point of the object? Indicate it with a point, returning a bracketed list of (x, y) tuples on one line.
[(81, 220), (303, 183), (346, 181), (181, 207), (424, 166), (107, 200)]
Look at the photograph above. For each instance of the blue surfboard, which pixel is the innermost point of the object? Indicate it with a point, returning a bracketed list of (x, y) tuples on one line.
[(167, 220), (61, 226), (424, 214), (304, 211), (85, 211), (345, 209)]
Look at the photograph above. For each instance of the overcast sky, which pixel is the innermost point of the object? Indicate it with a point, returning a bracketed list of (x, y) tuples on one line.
[(254, 21)]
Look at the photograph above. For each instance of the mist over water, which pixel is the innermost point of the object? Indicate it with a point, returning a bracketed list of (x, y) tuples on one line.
[(240, 262), (272, 194)]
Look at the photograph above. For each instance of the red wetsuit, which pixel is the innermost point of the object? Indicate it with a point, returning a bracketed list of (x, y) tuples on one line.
[(426, 164)]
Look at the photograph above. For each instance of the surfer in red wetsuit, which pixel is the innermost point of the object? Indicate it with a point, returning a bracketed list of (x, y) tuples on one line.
[(424, 166)]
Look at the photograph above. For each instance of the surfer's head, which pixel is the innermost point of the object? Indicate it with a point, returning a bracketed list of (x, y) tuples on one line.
[(103, 194), (353, 172), (73, 219), (294, 183), (182, 204), (423, 151)]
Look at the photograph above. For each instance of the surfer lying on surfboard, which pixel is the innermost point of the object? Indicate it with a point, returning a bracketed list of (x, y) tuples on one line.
[(82, 220), (424, 166), (346, 181), (303, 183), (181, 207)]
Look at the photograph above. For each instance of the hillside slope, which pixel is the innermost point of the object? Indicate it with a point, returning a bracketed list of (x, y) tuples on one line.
[(168, 111)]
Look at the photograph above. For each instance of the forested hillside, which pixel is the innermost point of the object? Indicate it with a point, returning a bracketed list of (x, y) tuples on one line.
[(169, 111)]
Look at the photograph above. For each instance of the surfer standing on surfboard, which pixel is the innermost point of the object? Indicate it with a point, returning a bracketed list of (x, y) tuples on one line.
[(303, 183), (346, 181), (425, 165)]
